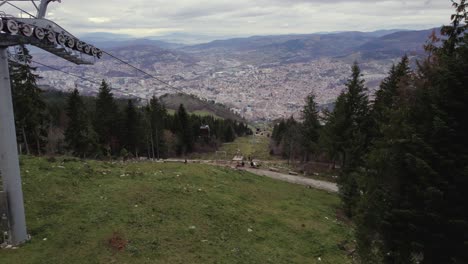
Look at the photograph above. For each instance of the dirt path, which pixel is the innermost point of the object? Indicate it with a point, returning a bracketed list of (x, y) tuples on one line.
[(322, 185)]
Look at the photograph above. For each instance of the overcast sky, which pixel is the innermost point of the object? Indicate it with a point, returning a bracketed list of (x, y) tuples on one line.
[(243, 17)]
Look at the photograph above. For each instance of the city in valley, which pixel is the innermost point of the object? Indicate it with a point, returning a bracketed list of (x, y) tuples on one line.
[(260, 78)]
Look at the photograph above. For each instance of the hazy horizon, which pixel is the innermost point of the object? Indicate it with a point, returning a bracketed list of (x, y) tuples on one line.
[(179, 37)]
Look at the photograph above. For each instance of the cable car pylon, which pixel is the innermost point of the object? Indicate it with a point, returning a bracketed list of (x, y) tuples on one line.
[(49, 36)]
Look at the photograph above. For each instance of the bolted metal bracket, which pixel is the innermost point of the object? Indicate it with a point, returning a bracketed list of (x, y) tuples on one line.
[(47, 35)]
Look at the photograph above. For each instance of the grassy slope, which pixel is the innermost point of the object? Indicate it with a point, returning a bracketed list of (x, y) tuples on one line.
[(253, 146), (195, 104), (79, 206), (197, 112)]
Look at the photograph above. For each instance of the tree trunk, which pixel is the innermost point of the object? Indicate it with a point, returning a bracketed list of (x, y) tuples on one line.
[(25, 142), (148, 147), (343, 159), (152, 145), (157, 142), (38, 146)]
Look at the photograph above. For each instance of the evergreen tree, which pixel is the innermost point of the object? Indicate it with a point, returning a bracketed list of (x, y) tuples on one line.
[(332, 136), (157, 116), (291, 139), (219, 130), (132, 129), (278, 131), (184, 133), (106, 120), (347, 132), (79, 135), (229, 134), (386, 97), (357, 116), (310, 126), (30, 110)]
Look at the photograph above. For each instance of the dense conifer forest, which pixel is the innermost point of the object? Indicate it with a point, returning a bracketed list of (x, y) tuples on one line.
[(402, 157)]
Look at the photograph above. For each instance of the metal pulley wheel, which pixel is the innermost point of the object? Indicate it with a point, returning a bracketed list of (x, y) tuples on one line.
[(39, 33), (87, 49), (80, 46), (51, 37), (71, 43), (99, 54), (61, 39), (94, 51), (26, 29), (11, 27)]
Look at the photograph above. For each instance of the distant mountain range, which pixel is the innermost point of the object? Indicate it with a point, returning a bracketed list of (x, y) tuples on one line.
[(259, 77), (300, 48), (178, 39), (295, 47), (382, 44)]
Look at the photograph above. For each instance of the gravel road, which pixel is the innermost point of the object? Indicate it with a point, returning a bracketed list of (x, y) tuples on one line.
[(323, 185)]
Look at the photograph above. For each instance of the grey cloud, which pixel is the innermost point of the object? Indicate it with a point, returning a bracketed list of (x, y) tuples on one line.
[(197, 12), (247, 17)]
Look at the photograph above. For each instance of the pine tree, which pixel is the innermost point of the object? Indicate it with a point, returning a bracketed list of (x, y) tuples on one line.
[(79, 135), (106, 123), (291, 139), (132, 129), (156, 118), (347, 132), (310, 126), (184, 131), (386, 97), (357, 114), (30, 110), (278, 131), (229, 135), (332, 136)]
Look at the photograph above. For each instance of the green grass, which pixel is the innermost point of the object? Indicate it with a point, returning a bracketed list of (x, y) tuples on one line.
[(202, 113), (172, 213), (206, 113), (194, 104), (253, 146)]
